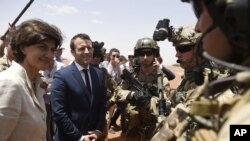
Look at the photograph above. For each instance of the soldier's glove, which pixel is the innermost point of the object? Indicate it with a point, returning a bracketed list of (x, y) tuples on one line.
[(179, 97), (109, 94), (139, 98)]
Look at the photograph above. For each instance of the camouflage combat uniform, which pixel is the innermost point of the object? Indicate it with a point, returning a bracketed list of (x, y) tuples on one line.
[(178, 124), (225, 111), (142, 110), (4, 63), (239, 112), (142, 120), (111, 86), (215, 113)]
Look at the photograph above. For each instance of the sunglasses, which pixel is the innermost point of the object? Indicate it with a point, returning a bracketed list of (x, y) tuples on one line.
[(184, 49), (117, 56), (148, 53)]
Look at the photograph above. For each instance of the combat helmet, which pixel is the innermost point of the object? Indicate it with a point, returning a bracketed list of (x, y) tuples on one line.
[(232, 17), (146, 43), (185, 36)]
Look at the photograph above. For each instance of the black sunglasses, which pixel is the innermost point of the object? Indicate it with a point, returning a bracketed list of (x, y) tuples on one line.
[(117, 56), (148, 53), (183, 49)]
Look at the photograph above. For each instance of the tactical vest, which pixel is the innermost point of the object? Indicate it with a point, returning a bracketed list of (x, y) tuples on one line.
[(223, 113), (142, 121)]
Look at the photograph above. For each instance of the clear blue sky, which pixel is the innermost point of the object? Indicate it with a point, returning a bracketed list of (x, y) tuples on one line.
[(118, 23)]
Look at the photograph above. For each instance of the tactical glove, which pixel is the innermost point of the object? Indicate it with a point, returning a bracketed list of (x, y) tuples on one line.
[(179, 97), (139, 98)]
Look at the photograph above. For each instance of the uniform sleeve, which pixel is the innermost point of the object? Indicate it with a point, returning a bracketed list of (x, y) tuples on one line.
[(3, 64), (10, 107), (238, 115), (121, 92)]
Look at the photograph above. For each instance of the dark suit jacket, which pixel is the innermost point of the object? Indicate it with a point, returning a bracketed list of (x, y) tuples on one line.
[(72, 109)]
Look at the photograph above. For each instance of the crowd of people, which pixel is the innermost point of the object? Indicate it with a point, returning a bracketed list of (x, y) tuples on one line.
[(42, 98)]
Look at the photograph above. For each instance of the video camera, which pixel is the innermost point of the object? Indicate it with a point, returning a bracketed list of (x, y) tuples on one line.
[(97, 45), (163, 30)]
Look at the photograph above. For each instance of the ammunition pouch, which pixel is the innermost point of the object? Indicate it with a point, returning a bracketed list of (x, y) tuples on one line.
[(174, 125)]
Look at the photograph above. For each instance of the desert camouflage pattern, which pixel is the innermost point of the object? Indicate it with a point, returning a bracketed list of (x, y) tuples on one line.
[(4, 63), (233, 111), (177, 122), (141, 121)]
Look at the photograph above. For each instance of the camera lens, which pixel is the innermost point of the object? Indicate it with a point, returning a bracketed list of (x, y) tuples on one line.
[(160, 35)]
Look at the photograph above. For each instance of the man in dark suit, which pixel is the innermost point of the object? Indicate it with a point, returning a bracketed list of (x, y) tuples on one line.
[(78, 99)]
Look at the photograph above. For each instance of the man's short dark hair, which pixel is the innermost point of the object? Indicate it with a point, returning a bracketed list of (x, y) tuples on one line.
[(81, 36)]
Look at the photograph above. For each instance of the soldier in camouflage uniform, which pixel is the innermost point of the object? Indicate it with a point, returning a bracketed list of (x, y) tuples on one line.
[(141, 110), (225, 28), (98, 57), (5, 61), (184, 40), (1, 47)]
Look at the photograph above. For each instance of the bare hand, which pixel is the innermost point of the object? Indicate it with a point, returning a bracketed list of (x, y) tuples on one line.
[(94, 135), (87, 138), (156, 63)]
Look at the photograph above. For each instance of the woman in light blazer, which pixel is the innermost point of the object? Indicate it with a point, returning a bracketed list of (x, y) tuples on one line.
[(22, 107)]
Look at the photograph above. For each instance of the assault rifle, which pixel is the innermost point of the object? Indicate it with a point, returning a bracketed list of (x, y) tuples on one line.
[(179, 119), (163, 109), (144, 90)]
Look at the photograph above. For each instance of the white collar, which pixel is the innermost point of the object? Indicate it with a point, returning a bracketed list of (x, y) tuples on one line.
[(79, 67)]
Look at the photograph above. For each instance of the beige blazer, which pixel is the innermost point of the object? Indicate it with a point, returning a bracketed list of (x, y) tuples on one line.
[(22, 112)]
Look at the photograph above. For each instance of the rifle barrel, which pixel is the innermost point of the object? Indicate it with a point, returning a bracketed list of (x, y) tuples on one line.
[(18, 17)]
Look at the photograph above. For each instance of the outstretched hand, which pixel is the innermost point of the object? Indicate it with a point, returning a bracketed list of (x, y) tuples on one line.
[(94, 135)]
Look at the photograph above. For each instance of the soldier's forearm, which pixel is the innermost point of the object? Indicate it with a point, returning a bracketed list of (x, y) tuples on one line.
[(1, 49)]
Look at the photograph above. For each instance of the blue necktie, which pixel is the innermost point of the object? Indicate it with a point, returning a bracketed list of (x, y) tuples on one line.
[(87, 79)]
